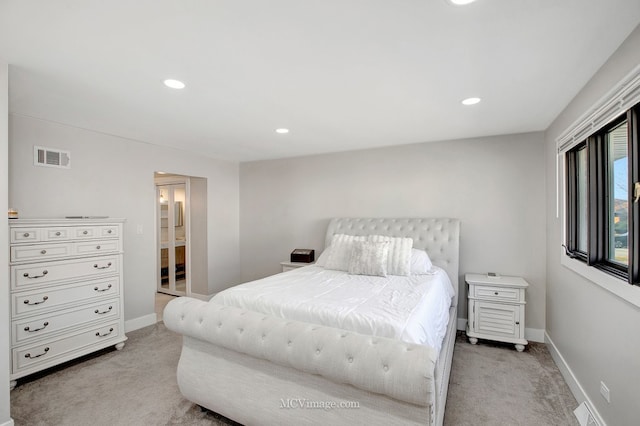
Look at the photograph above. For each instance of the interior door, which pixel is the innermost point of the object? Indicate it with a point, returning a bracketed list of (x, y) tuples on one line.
[(172, 239)]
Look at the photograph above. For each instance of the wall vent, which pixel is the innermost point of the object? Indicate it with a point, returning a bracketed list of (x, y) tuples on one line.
[(50, 157), (585, 416)]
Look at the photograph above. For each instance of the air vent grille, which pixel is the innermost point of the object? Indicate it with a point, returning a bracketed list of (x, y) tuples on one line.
[(51, 157)]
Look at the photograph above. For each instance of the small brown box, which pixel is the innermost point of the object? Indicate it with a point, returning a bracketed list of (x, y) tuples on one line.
[(303, 255)]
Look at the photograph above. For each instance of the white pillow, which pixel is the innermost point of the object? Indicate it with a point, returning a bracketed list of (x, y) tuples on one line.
[(340, 251), (369, 258), (322, 259), (420, 262), (399, 258)]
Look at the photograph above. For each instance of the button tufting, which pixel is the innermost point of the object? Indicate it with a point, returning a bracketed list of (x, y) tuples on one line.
[(386, 368), (289, 343), (317, 351), (350, 359)]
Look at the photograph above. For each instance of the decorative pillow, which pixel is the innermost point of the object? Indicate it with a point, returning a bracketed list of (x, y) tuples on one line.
[(399, 258), (369, 258), (322, 259), (420, 262), (340, 251)]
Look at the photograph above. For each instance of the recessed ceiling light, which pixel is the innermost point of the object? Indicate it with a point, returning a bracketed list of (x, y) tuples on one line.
[(461, 2), (282, 131), (174, 84), (470, 101)]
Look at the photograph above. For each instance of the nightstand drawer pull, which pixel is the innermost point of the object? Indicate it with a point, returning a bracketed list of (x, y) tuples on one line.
[(44, 299), (102, 289), (102, 267), (28, 355), (58, 234), (37, 329), (26, 274), (26, 234), (85, 232), (103, 312), (106, 334)]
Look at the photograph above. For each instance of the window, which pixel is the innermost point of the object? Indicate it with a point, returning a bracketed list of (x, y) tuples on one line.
[(602, 173)]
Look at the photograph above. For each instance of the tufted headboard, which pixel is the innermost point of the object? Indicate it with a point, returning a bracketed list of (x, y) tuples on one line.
[(438, 236)]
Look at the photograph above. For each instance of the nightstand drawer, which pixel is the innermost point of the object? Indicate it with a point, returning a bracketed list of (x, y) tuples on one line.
[(497, 293)]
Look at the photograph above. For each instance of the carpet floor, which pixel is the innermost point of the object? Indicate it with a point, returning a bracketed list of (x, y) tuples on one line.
[(491, 384)]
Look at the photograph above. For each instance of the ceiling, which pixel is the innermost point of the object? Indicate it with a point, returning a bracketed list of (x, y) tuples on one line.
[(340, 74)]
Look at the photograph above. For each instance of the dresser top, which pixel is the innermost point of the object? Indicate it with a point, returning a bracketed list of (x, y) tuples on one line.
[(499, 281), (64, 221)]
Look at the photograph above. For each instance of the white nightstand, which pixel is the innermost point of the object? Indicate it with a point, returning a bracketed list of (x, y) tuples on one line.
[(496, 309), (288, 266)]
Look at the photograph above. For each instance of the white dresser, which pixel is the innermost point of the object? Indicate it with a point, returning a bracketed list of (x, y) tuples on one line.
[(496, 309), (66, 290)]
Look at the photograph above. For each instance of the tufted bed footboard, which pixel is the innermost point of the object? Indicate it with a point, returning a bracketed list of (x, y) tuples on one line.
[(259, 369)]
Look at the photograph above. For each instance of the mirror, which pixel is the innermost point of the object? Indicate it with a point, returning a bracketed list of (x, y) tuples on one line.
[(178, 215)]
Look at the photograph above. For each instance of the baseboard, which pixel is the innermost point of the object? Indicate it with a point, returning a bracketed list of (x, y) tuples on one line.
[(534, 335), (574, 385), (8, 423), (204, 297), (140, 322)]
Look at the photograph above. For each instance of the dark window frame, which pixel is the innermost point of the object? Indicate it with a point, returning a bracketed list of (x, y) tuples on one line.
[(597, 200)]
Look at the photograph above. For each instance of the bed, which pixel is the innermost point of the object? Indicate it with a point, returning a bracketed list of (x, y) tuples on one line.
[(257, 362)]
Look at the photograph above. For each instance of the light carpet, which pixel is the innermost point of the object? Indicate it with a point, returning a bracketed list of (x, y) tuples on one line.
[(491, 384)]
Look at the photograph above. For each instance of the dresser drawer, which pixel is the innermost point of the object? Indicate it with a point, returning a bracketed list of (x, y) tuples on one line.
[(56, 349), (96, 247), (40, 252), (32, 328), (25, 235), (47, 299), (109, 231), (40, 274), (497, 293), (60, 233)]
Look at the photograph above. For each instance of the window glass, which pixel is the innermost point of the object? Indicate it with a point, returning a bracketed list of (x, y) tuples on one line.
[(618, 194), (581, 204)]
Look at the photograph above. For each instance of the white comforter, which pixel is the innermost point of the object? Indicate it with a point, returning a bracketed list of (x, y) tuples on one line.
[(414, 309)]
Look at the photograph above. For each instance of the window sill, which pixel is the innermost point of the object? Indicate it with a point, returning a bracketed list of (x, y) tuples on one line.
[(628, 293)]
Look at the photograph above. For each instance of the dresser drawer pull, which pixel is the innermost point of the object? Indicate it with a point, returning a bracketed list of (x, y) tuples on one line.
[(58, 234), (44, 299), (104, 312), (44, 325), (105, 334), (26, 275), (495, 292), (102, 289), (85, 232), (28, 355), (26, 234), (109, 231), (97, 247), (43, 252), (102, 267)]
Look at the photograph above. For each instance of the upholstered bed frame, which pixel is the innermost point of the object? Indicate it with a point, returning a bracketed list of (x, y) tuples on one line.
[(257, 369)]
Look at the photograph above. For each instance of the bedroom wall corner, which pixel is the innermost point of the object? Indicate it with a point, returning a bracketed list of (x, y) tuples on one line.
[(494, 185), (114, 176), (593, 332), (5, 362)]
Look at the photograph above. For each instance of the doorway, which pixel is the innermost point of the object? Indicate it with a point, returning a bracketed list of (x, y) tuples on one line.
[(173, 237), (181, 237)]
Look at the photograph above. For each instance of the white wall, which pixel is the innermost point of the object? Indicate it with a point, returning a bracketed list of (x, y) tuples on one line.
[(597, 333), (115, 177), (494, 185), (5, 362)]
